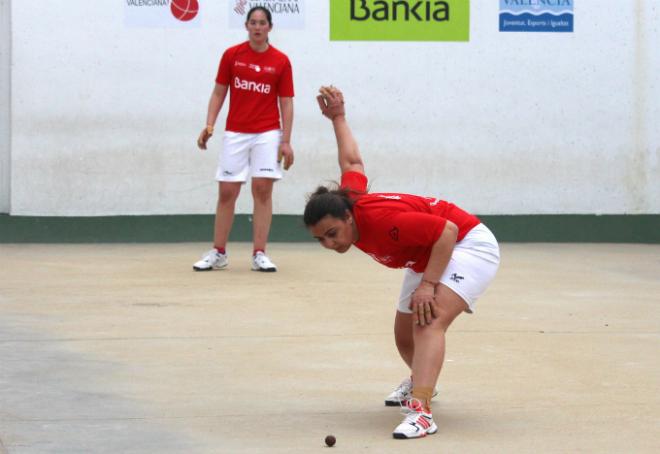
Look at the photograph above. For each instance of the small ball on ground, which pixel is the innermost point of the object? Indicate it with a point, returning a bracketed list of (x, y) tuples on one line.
[(330, 440)]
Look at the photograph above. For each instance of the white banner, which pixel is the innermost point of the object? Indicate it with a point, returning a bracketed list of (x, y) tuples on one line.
[(162, 13), (289, 14)]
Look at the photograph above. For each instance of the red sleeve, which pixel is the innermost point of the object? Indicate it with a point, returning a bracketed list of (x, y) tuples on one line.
[(416, 229), (285, 86), (224, 70), (355, 182)]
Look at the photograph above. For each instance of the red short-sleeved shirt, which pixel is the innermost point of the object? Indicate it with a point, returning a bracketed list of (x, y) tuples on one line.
[(255, 80), (399, 230)]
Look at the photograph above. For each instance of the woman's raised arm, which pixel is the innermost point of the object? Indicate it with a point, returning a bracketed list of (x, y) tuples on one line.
[(331, 102)]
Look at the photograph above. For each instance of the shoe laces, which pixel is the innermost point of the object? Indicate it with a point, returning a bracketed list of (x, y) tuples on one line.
[(262, 260), (211, 254), (412, 408)]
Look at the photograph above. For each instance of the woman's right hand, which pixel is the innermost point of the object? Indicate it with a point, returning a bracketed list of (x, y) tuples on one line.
[(422, 304), (331, 102), (204, 136)]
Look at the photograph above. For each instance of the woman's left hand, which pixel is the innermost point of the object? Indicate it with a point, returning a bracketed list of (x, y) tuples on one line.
[(421, 304), (285, 152)]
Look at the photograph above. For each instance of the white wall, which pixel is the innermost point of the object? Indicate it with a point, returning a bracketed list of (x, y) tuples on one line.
[(5, 79), (105, 117)]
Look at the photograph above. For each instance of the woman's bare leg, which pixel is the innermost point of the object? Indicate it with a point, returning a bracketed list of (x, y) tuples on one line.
[(224, 212), (262, 193), (429, 343), (403, 336)]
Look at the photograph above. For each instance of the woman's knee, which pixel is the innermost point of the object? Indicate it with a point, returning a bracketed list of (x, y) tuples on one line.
[(262, 189), (447, 307), (444, 319), (229, 192)]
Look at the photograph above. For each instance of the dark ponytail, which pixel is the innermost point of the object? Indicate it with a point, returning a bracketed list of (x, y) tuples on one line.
[(324, 202)]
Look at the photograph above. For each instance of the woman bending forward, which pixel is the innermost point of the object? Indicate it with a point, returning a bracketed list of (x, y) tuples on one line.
[(449, 257)]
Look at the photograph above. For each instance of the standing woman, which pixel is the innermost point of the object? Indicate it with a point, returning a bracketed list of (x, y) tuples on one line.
[(449, 255), (258, 77)]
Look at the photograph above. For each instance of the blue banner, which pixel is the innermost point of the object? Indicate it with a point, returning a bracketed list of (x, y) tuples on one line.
[(536, 16)]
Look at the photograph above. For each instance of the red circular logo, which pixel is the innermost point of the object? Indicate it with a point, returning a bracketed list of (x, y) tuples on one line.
[(184, 10)]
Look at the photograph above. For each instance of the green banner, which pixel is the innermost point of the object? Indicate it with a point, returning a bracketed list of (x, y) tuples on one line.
[(399, 20)]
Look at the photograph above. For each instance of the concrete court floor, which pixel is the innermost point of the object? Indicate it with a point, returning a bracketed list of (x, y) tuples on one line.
[(123, 349)]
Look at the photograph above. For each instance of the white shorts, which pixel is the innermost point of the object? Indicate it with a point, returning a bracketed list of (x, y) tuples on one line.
[(252, 155), (472, 267)]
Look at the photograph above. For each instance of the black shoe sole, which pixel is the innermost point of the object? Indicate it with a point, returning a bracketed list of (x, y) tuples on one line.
[(401, 437)]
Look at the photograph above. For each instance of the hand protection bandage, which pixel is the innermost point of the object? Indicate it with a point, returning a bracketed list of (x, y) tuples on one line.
[(331, 102)]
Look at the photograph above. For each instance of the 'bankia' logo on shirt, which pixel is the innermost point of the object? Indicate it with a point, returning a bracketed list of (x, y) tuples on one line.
[(536, 15), (251, 86)]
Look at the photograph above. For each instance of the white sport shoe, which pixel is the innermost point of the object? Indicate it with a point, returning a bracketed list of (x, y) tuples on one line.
[(261, 262), (417, 422), (402, 393), (212, 260)]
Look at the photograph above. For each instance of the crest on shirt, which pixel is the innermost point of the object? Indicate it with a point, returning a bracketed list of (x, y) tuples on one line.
[(256, 68), (384, 259), (394, 233)]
